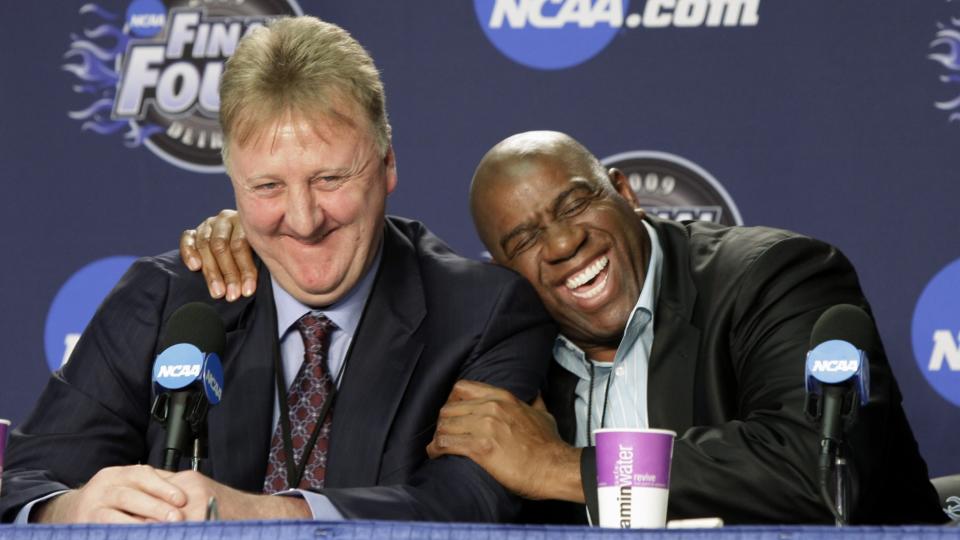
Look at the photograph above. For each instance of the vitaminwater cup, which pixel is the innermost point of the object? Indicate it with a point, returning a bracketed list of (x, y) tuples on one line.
[(633, 476)]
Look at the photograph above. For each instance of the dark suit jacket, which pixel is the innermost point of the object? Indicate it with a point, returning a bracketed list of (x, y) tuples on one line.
[(432, 318), (732, 328)]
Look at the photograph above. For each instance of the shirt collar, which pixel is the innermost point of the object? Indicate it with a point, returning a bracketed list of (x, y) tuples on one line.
[(345, 313), (575, 360)]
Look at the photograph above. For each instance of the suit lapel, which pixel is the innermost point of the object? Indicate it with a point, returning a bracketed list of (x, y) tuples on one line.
[(240, 433), (672, 368), (382, 357)]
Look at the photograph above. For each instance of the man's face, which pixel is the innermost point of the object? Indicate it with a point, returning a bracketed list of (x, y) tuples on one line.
[(580, 244), (311, 195)]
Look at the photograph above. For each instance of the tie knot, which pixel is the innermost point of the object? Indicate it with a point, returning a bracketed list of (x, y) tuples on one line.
[(315, 328)]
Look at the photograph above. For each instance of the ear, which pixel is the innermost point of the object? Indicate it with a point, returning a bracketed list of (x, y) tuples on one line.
[(621, 184), (390, 169)]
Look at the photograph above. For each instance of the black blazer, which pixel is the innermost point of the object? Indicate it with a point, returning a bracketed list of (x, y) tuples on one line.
[(432, 318), (731, 332)]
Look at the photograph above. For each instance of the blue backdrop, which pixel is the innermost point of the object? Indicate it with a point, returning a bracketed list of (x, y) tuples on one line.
[(835, 119)]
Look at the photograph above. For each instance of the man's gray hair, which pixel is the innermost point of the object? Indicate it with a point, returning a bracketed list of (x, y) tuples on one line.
[(303, 66)]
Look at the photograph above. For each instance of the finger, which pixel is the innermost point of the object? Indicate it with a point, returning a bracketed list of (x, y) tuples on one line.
[(463, 408), (199, 489), (211, 270), (469, 425), (243, 255), (140, 504), (458, 445), (539, 405), (220, 240), (490, 408), (115, 517), (188, 249), (434, 451), (464, 390), (151, 482)]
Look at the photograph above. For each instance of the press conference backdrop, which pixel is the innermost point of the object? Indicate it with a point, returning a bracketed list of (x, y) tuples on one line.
[(840, 120)]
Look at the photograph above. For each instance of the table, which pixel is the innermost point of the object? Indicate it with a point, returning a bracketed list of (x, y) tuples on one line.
[(388, 530)]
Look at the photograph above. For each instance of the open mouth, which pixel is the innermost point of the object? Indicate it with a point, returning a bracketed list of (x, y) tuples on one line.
[(590, 281)]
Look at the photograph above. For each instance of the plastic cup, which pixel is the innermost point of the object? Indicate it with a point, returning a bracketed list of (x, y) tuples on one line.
[(633, 477)]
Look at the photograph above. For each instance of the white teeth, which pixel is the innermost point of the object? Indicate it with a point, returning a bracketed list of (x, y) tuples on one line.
[(587, 273), (592, 291)]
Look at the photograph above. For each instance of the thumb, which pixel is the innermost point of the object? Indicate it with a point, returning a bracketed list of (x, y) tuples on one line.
[(538, 404)]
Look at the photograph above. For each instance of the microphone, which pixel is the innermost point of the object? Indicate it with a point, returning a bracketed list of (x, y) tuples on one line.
[(837, 369), (187, 380), (837, 377)]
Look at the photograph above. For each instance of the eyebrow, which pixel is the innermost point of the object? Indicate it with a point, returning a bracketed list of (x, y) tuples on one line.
[(562, 197)]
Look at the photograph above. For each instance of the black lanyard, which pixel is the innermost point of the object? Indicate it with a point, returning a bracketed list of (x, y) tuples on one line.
[(606, 396), (294, 472)]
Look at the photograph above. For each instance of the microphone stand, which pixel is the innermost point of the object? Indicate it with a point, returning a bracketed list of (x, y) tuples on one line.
[(840, 478), (831, 457)]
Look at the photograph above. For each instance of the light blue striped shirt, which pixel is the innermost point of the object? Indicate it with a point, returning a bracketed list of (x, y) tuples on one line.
[(621, 400)]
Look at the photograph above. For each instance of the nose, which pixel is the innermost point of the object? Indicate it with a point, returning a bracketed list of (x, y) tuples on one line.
[(304, 215), (562, 240)]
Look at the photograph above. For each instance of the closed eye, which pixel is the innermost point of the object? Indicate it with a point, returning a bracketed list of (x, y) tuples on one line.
[(267, 187), (574, 207), (329, 182), (521, 242)]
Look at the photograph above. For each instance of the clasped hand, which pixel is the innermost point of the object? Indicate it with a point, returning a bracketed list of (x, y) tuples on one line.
[(143, 494)]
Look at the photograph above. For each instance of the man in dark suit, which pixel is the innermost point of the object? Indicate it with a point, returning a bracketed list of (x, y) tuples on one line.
[(373, 314), (731, 311)]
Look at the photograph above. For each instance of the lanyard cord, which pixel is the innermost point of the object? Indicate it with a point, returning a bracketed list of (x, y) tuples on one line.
[(606, 399), (590, 407)]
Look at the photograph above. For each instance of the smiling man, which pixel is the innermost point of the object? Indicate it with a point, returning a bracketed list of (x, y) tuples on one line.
[(695, 327), (335, 369)]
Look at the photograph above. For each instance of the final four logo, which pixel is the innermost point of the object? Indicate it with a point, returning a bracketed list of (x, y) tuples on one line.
[(555, 34), (946, 52), (154, 72)]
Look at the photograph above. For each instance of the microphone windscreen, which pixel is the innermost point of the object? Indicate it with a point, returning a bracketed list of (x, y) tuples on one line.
[(847, 323), (198, 324)]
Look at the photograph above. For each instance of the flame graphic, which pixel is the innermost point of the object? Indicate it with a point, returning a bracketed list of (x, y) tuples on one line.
[(947, 54), (90, 59)]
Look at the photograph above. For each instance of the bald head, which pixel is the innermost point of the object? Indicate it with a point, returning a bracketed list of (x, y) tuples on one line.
[(508, 159), (515, 158)]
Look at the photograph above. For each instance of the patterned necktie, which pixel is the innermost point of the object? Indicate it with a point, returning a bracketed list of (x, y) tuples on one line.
[(311, 388)]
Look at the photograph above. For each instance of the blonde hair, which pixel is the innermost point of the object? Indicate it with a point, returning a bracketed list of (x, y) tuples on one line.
[(299, 65)]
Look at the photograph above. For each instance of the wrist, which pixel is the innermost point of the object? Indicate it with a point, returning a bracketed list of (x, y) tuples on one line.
[(561, 479), (54, 510), (283, 507)]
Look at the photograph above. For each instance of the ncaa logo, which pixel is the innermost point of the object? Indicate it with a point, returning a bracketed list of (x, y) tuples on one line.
[(936, 332), (555, 34), (550, 34), (178, 365), (154, 71), (75, 304), (672, 187)]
